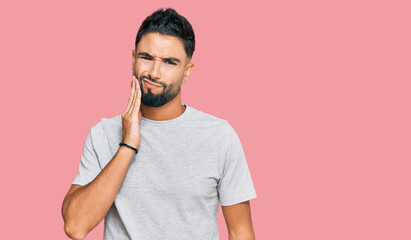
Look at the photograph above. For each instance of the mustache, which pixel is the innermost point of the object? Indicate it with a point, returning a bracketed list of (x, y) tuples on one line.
[(149, 78)]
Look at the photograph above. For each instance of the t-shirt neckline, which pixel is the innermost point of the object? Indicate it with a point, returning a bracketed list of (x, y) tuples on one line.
[(164, 122)]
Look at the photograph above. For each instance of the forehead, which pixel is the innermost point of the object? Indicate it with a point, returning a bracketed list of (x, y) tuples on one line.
[(159, 45)]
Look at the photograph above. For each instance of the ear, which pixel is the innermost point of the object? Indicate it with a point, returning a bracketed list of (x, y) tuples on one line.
[(188, 70), (134, 57)]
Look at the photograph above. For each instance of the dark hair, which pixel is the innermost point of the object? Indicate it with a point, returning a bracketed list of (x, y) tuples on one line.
[(169, 22)]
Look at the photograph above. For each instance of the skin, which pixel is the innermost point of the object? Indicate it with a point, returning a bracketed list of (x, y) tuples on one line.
[(149, 62), (238, 221)]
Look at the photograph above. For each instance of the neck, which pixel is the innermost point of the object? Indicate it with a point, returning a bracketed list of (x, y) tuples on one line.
[(168, 111)]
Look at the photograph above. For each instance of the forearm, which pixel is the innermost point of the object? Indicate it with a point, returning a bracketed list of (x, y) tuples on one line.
[(88, 205)]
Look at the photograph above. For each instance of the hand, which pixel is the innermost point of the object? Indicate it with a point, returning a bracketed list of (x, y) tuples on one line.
[(131, 117)]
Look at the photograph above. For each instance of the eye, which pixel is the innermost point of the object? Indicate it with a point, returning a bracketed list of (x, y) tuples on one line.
[(170, 62), (146, 58)]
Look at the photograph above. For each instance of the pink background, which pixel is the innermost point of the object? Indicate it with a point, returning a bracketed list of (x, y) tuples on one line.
[(318, 91)]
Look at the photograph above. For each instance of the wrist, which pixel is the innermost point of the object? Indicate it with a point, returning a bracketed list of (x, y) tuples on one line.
[(125, 145), (126, 151)]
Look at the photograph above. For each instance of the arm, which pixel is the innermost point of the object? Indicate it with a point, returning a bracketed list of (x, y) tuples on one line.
[(238, 220), (85, 206)]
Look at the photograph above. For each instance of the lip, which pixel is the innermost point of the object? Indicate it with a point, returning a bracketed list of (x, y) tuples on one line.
[(150, 84)]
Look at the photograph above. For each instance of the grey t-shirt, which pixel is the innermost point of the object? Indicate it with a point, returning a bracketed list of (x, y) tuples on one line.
[(183, 168)]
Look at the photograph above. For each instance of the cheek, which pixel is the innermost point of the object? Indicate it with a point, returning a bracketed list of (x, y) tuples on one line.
[(140, 68), (137, 66), (175, 76)]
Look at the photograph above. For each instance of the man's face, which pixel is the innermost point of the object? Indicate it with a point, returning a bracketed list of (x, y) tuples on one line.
[(160, 59)]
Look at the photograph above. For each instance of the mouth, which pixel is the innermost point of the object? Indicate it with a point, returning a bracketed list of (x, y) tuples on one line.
[(151, 84)]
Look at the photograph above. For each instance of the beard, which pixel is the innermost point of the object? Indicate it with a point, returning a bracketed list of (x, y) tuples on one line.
[(150, 99)]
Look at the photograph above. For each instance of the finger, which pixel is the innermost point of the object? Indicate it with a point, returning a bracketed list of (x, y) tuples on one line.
[(132, 96), (130, 99), (138, 98), (135, 96)]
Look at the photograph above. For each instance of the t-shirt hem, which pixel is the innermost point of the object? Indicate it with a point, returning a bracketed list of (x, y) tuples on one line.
[(77, 182), (239, 200)]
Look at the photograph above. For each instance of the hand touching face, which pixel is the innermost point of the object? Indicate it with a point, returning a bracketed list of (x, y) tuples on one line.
[(160, 60)]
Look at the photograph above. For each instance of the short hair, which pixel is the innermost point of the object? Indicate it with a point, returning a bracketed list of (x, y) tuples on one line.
[(169, 22)]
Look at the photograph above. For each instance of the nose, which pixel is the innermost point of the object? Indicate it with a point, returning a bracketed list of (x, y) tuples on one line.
[(155, 72)]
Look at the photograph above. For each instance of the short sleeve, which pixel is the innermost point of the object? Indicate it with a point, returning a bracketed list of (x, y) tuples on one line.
[(89, 166), (235, 184)]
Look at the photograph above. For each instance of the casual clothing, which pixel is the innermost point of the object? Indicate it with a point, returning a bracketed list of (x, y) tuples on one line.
[(172, 188)]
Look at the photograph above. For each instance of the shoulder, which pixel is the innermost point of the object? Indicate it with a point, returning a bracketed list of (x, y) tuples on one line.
[(221, 127), (206, 120), (113, 122), (106, 126)]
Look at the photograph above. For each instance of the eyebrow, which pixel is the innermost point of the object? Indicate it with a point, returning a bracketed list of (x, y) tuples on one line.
[(164, 59)]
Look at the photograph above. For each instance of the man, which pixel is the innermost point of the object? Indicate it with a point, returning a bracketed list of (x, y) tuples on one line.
[(175, 163)]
